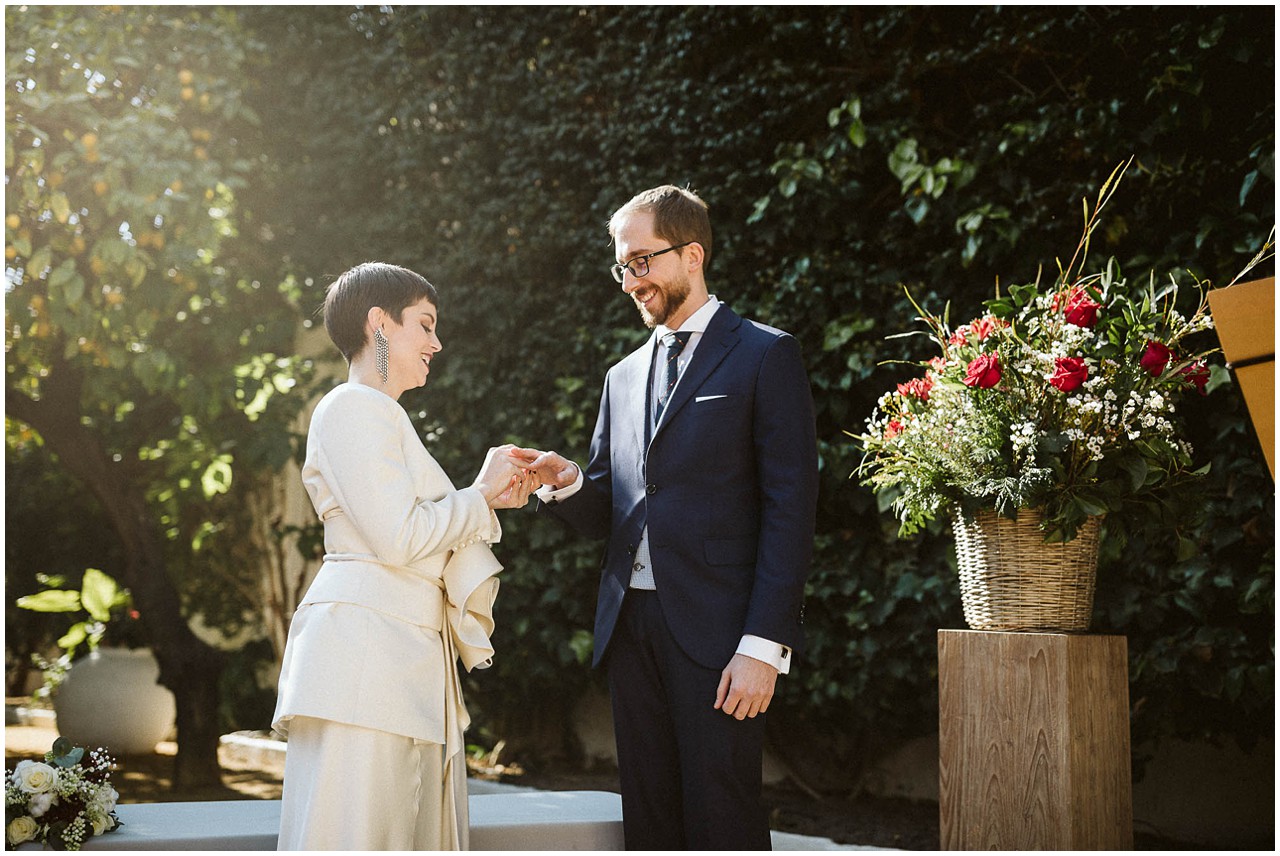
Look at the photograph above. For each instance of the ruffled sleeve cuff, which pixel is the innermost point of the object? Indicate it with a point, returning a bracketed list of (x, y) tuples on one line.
[(495, 528), (487, 529), (471, 587)]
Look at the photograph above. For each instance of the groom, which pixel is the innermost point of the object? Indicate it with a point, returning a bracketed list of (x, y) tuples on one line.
[(703, 476)]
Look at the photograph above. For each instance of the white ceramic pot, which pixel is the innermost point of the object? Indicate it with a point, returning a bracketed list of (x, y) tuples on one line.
[(110, 699)]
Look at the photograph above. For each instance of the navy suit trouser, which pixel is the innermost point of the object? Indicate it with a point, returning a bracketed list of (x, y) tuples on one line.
[(690, 774)]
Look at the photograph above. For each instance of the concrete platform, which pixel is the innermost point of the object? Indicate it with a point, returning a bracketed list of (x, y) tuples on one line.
[(536, 820), (503, 816), (523, 820)]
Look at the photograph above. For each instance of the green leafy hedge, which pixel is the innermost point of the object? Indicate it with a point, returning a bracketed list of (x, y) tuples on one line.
[(845, 152)]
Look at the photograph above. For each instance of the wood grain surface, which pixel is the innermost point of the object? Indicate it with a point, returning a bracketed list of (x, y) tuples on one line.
[(1034, 741)]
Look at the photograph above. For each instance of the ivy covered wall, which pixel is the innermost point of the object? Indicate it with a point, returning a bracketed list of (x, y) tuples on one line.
[(846, 152)]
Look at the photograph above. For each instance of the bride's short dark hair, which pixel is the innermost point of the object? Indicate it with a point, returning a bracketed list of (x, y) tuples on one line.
[(349, 299)]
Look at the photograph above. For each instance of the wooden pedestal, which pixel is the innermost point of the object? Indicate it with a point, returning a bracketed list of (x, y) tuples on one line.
[(1034, 741)]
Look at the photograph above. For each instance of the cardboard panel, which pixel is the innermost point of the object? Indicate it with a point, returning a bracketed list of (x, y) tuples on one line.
[(1258, 383), (1245, 318)]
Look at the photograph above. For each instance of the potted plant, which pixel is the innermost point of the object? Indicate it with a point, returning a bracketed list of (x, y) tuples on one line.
[(110, 696), (1053, 408)]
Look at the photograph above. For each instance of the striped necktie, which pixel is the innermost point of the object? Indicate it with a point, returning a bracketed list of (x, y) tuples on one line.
[(675, 343)]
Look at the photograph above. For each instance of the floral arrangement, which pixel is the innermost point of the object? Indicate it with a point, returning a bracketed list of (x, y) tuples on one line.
[(1059, 398), (61, 802)]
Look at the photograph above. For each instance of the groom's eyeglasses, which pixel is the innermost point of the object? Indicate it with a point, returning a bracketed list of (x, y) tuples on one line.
[(639, 266)]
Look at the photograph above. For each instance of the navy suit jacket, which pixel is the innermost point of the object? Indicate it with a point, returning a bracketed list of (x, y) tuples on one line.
[(727, 485)]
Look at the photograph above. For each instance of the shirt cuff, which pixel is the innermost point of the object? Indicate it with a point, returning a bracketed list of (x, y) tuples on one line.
[(778, 656), (549, 495)]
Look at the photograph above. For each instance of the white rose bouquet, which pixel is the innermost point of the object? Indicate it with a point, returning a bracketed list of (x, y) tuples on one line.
[(61, 801)]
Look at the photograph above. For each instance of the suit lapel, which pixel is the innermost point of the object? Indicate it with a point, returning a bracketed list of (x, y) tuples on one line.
[(719, 339), (636, 383)]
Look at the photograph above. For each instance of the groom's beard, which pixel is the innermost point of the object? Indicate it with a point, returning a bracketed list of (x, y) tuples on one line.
[(671, 296)]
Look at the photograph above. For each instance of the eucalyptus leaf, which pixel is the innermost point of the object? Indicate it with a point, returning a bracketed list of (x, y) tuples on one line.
[(69, 758)]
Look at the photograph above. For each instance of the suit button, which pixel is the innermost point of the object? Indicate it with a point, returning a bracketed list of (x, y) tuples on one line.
[(651, 489)]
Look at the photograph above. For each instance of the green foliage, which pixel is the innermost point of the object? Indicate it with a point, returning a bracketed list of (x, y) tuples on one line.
[(100, 597), (247, 702), (40, 498), (845, 152), (135, 313), (1037, 104), (148, 339), (1194, 591)]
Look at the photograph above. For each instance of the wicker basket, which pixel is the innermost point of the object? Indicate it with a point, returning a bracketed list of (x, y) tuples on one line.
[(1010, 579)]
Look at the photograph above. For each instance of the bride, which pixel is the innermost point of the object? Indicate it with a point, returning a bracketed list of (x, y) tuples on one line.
[(370, 696)]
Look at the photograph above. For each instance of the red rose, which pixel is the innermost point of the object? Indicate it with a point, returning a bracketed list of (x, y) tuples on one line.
[(1196, 374), (959, 337), (1156, 358), (917, 387), (1070, 373), (1081, 310), (984, 372)]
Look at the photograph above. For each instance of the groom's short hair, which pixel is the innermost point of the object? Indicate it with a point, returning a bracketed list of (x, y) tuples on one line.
[(679, 215), (354, 293)]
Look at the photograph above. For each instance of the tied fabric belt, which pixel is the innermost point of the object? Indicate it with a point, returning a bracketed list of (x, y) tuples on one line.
[(367, 582), (460, 600)]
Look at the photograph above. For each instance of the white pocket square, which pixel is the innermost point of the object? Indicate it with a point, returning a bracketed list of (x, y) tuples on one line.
[(708, 398)]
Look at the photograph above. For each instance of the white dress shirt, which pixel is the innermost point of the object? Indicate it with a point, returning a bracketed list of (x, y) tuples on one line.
[(776, 655)]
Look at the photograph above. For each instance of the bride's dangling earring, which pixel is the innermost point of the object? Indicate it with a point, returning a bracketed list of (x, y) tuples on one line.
[(381, 353)]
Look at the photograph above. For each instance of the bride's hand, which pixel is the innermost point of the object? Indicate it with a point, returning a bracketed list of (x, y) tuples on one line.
[(499, 476), (517, 495)]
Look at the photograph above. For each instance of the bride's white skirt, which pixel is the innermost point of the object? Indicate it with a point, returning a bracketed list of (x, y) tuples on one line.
[(353, 788)]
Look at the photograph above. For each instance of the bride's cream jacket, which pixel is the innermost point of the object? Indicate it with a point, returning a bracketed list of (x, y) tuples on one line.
[(407, 585)]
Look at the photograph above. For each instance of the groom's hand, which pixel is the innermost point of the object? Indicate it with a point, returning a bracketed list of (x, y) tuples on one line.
[(551, 468), (746, 687)]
